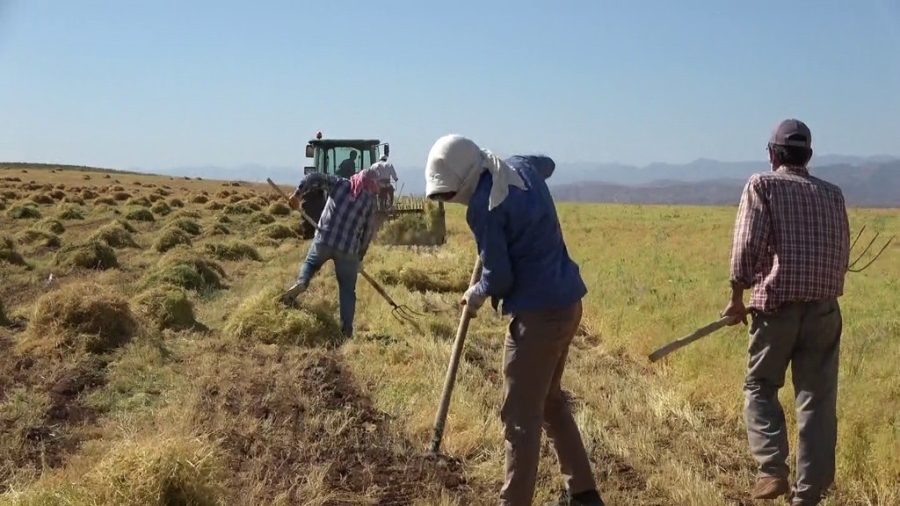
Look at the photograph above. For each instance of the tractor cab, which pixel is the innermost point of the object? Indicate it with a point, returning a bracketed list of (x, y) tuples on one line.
[(344, 158)]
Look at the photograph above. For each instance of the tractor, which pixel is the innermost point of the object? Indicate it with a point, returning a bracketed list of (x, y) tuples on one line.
[(346, 157)]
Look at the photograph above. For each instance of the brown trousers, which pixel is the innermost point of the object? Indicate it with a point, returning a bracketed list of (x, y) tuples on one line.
[(537, 345)]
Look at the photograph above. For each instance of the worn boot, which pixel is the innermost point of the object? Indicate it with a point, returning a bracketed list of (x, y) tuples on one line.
[(587, 498), (291, 295), (770, 487)]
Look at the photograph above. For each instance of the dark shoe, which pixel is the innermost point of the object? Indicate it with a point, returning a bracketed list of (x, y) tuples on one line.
[(587, 498), (770, 487), (291, 295)]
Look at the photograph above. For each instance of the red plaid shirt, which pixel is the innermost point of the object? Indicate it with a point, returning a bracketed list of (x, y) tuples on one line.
[(791, 239)]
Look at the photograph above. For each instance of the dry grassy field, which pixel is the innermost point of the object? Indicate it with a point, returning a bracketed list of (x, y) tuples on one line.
[(156, 368)]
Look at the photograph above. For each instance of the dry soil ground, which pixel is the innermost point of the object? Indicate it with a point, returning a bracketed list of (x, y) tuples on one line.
[(157, 369)]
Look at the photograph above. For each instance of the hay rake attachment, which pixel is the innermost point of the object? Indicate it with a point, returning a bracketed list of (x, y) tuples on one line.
[(400, 312), (858, 258)]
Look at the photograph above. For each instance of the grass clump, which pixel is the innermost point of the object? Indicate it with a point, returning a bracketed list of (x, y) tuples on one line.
[(140, 214), (279, 209), (153, 472), (239, 208), (171, 237), (50, 225), (42, 198), (39, 237), (233, 250), (166, 307), (199, 199), (277, 231), (262, 218), (161, 208), (87, 316), (433, 280), (139, 201), (4, 318), (262, 318), (219, 229), (115, 235), (8, 253), (91, 254), (176, 202), (187, 269), (188, 226), (70, 212), (23, 212)]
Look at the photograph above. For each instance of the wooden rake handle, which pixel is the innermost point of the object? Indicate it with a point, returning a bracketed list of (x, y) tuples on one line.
[(690, 338), (450, 378)]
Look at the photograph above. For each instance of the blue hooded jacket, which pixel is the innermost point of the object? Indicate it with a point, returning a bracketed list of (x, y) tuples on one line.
[(524, 257)]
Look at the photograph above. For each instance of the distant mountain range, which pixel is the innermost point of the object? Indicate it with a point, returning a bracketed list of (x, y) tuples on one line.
[(866, 181)]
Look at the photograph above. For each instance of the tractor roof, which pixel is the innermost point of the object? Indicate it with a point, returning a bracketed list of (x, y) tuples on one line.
[(349, 143)]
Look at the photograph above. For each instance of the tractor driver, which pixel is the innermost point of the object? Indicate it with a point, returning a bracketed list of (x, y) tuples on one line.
[(348, 167)]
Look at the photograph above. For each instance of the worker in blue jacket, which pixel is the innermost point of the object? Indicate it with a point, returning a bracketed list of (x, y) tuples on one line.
[(527, 266)]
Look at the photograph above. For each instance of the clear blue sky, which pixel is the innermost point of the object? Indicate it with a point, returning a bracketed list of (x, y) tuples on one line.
[(162, 83)]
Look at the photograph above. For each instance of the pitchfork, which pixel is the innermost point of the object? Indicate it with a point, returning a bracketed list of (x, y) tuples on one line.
[(850, 267), (400, 312)]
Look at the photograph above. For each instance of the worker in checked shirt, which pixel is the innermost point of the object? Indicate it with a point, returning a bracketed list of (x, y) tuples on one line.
[(343, 235), (791, 249)]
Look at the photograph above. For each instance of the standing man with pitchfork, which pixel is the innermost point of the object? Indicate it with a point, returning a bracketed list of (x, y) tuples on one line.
[(526, 264), (791, 249)]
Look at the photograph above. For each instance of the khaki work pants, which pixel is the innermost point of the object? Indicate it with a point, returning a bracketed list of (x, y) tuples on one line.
[(537, 345), (806, 336)]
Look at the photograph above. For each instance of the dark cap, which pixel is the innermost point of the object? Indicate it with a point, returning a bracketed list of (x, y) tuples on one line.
[(791, 132)]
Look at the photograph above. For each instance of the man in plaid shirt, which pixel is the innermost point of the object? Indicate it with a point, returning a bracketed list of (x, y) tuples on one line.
[(791, 249), (343, 235)]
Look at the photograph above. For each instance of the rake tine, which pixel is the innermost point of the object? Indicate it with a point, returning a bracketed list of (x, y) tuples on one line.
[(403, 313), (853, 244), (864, 251), (886, 244)]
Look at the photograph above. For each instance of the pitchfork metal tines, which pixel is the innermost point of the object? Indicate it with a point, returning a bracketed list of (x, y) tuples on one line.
[(400, 312), (858, 258)]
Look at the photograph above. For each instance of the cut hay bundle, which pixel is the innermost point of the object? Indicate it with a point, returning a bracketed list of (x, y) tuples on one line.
[(443, 278), (264, 319), (85, 316), (4, 318), (171, 237), (115, 235), (92, 254), (158, 472), (166, 307), (8, 253), (187, 269), (23, 212), (70, 212), (39, 237), (233, 250)]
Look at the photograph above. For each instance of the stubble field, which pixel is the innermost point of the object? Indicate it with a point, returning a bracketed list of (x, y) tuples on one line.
[(156, 368)]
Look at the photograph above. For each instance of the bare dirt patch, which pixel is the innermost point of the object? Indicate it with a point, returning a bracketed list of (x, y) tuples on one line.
[(43, 420), (283, 414)]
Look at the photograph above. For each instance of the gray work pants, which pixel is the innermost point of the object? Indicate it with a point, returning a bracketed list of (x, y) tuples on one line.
[(806, 335)]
